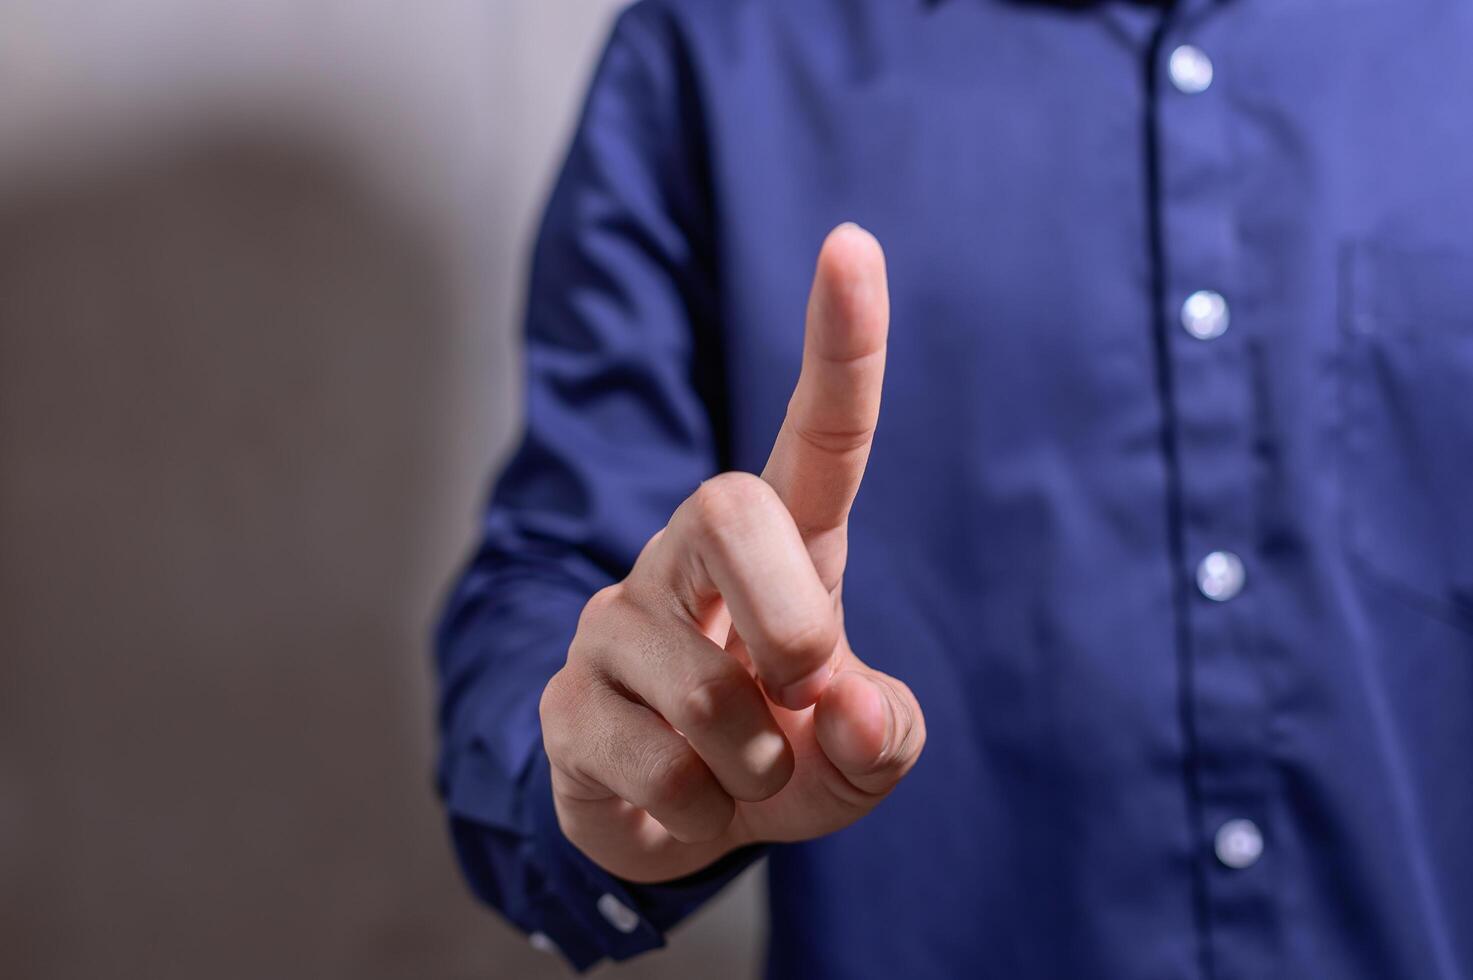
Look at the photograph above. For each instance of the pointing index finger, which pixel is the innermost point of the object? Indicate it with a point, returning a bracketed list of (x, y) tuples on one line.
[(819, 457)]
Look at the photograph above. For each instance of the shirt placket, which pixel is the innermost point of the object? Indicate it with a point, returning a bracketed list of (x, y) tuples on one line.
[(1208, 323)]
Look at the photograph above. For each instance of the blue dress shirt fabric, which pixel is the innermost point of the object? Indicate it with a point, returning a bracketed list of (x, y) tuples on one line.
[(1056, 456)]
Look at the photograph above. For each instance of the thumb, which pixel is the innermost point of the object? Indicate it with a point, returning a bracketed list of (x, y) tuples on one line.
[(871, 728)]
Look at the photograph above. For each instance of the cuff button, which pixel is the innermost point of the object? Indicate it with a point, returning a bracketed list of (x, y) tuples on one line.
[(619, 915)]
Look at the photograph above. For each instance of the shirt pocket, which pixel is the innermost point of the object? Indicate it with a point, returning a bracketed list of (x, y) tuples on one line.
[(1407, 401)]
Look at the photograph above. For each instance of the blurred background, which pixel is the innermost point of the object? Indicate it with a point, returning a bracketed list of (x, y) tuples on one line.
[(261, 263)]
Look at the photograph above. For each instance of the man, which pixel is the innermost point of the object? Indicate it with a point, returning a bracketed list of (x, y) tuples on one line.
[(1167, 521)]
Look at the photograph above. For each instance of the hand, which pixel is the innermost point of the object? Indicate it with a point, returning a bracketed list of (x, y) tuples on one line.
[(711, 699)]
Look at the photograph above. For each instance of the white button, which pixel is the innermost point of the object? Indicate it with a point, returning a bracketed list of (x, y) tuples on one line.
[(1190, 69), (1205, 314), (620, 916), (1239, 844), (542, 942), (1220, 576)]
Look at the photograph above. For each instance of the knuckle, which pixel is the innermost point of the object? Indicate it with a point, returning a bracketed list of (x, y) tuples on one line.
[(598, 607), (721, 503), (702, 706), (551, 710), (553, 695), (600, 622), (573, 704)]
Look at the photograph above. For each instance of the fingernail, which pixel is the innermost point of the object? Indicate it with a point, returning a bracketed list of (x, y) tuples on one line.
[(888, 708), (802, 693)]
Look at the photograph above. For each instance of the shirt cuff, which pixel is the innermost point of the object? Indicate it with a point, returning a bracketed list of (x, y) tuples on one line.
[(590, 914)]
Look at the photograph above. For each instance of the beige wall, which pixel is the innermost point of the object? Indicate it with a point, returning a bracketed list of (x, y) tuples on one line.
[(259, 266)]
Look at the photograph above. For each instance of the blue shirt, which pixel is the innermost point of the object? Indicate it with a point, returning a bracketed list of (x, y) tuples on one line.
[(1169, 518)]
